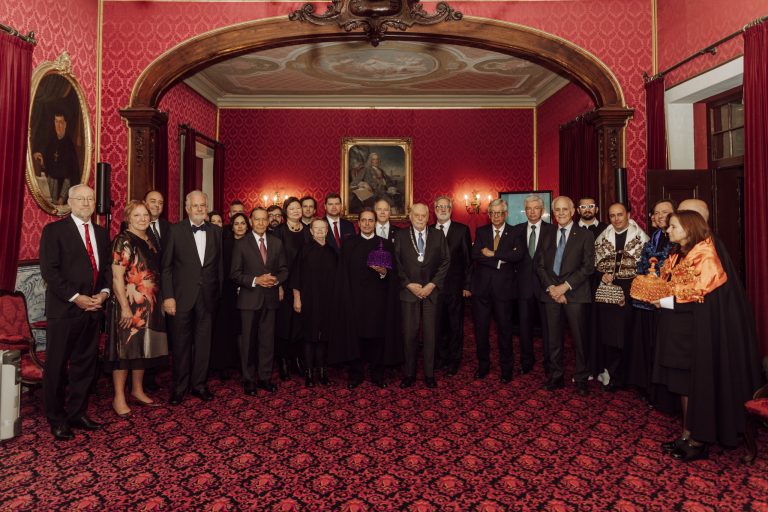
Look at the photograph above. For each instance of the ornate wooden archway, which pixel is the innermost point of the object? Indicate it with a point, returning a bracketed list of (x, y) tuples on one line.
[(148, 128)]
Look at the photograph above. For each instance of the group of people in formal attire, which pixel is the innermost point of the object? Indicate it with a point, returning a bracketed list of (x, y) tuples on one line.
[(290, 289)]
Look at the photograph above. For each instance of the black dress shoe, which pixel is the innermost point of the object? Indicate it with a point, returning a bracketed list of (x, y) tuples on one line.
[(506, 378), (249, 388), (176, 399), (353, 383), (526, 369), (379, 381), (481, 373), (430, 382), (323, 377), (582, 389), (282, 369), (407, 382), (453, 369), (267, 386), (690, 453), (309, 380), (554, 384), (611, 388), (84, 423), (62, 432), (203, 394), (670, 446)]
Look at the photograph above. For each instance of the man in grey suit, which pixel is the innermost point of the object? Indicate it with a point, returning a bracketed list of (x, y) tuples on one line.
[(259, 267), (564, 263), (423, 259), (192, 274)]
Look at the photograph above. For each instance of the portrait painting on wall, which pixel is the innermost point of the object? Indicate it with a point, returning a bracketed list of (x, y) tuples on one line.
[(516, 205), (376, 168), (59, 145)]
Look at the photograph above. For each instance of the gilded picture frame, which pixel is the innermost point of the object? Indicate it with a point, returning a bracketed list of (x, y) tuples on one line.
[(372, 168), (59, 145)]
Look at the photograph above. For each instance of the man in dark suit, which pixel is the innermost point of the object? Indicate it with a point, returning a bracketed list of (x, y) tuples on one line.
[(422, 260), (494, 289), (564, 263), (450, 332), (384, 228), (192, 272), (259, 267), (529, 289), (338, 229), (75, 264)]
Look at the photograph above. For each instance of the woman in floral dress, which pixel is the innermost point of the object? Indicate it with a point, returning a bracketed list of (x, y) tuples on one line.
[(137, 338)]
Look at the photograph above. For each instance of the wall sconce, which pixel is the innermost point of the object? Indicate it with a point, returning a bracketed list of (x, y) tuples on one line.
[(275, 199), (472, 202)]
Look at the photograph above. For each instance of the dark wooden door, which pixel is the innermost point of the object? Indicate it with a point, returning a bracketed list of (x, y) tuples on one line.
[(729, 217), (679, 185)]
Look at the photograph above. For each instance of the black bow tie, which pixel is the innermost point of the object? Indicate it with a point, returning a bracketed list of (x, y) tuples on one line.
[(201, 227)]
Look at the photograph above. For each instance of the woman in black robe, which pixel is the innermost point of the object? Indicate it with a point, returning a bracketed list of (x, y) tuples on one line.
[(313, 282), (288, 331)]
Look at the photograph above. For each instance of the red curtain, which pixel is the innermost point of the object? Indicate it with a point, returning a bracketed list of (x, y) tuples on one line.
[(15, 76), (756, 173), (656, 131), (579, 172)]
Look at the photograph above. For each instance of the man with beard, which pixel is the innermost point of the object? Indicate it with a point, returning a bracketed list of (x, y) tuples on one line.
[(275, 216), (370, 326), (588, 211)]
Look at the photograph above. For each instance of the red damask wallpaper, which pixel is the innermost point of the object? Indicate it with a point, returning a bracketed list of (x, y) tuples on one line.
[(59, 26), (687, 26), (298, 152), (563, 106), (184, 106)]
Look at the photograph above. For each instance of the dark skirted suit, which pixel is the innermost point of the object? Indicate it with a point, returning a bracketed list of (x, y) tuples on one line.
[(415, 311), (529, 294), (450, 332), (577, 266), (346, 231), (257, 304), (72, 332), (493, 292), (196, 287)]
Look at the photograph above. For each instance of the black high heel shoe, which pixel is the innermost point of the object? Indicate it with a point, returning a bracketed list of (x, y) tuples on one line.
[(689, 453), (670, 446)]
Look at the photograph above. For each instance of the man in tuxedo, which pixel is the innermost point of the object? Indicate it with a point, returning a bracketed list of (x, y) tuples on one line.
[(259, 267), (308, 209), (494, 289), (450, 332), (529, 289), (339, 229), (192, 273), (75, 264), (588, 211), (422, 260), (384, 228), (565, 263)]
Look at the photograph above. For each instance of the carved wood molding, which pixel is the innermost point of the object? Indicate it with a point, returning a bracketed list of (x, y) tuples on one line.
[(146, 129)]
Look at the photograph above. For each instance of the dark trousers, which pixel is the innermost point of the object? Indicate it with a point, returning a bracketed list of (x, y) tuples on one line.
[(191, 347), (556, 315), (483, 308), (528, 309), (315, 354), (614, 363), (257, 343), (450, 332), (422, 312), (71, 352), (371, 352)]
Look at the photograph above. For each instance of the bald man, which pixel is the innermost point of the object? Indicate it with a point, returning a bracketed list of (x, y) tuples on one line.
[(423, 258), (695, 205)]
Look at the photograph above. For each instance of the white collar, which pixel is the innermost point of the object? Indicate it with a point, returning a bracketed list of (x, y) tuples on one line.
[(386, 225), (368, 237), (538, 224), (594, 222), (445, 226), (80, 222), (331, 220)]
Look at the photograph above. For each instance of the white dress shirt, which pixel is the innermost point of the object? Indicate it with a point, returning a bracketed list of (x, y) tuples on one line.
[(79, 223), (445, 227), (382, 230), (528, 234), (200, 242), (501, 232)]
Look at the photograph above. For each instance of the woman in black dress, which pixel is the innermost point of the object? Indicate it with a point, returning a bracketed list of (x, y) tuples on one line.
[(225, 355), (313, 288), (288, 332), (137, 338)]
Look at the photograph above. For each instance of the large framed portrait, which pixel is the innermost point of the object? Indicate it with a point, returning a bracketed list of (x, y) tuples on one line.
[(59, 145), (373, 169)]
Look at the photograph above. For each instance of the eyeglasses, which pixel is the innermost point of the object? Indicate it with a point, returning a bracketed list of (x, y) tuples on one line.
[(586, 207), (84, 199), (497, 213), (443, 207)]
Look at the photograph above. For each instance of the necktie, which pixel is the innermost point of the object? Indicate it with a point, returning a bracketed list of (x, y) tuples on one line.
[(91, 255), (440, 226), (263, 250), (496, 240), (559, 252), (420, 243), (336, 233), (156, 234), (532, 242), (383, 234), (656, 238)]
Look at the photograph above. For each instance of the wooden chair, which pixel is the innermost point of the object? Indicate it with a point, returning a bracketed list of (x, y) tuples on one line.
[(757, 413), (16, 334)]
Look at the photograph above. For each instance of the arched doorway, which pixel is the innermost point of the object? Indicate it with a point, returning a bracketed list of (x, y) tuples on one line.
[(147, 125)]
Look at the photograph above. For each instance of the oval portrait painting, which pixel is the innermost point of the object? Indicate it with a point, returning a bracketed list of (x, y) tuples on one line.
[(59, 146)]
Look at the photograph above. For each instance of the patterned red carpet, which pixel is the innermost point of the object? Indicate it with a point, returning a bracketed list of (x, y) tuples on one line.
[(467, 446)]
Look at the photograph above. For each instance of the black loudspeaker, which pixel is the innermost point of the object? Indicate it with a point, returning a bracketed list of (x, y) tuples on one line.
[(103, 196), (621, 186)]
